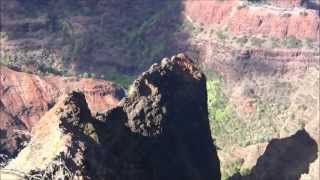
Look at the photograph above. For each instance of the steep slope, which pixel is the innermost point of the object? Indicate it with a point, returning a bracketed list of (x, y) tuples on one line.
[(263, 57), (61, 136), (26, 97), (160, 131), (267, 94), (78, 37), (263, 74), (241, 18)]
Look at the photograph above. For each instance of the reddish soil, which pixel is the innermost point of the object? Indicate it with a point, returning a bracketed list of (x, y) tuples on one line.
[(264, 20)]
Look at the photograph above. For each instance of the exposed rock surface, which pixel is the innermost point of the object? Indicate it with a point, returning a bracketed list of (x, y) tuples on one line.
[(59, 140), (160, 131), (242, 19), (26, 97), (284, 84)]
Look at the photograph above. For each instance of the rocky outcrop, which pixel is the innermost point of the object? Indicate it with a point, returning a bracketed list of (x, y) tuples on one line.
[(26, 97), (60, 141), (160, 131)]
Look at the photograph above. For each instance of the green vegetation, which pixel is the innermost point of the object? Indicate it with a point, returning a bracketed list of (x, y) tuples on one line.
[(221, 35), (309, 43), (225, 127), (242, 40), (255, 41), (286, 14), (39, 64), (219, 111), (83, 33), (255, 0), (138, 43), (123, 80), (303, 13), (292, 42), (233, 168), (229, 129), (275, 42)]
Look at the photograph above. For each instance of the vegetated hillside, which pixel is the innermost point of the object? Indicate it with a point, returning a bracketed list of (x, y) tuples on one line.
[(86, 38), (261, 86), (25, 98), (102, 38), (261, 58), (159, 131)]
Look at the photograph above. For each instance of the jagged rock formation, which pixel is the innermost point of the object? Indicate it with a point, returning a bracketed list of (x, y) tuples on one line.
[(26, 97), (61, 137), (267, 53), (160, 131)]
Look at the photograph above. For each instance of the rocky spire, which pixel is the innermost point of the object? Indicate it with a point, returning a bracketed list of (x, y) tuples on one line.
[(159, 131)]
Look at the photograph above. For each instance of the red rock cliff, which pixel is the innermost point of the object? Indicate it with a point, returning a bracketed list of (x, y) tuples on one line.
[(241, 18), (28, 96), (24, 98)]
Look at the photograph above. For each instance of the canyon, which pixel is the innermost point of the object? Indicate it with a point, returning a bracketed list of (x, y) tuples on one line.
[(262, 59), (157, 132), (26, 97)]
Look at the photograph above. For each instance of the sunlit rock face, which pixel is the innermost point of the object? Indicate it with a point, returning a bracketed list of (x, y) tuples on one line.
[(24, 98), (159, 131)]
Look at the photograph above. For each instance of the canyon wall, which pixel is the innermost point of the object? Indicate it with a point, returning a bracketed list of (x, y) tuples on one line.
[(243, 19), (159, 131), (26, 97)]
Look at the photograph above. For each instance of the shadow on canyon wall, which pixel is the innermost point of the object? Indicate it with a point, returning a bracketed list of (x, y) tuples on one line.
[(95, 36), (286, 158)]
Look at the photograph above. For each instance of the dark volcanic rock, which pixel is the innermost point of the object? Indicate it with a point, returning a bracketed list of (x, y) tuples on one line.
[(159, 132), (24, 98)]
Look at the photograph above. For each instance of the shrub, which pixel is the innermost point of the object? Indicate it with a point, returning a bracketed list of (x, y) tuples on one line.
[(257, 41), (242, 40), (303, 13), (275, 42), (227, 128), (123, 80), (292, 42), (220, 113), (93, 75), (221, 35), (286, 14), (232, 169), (85, 75), (255, 0), (309, 43)]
